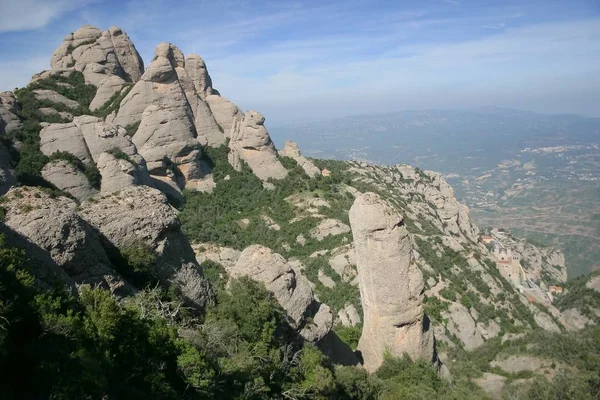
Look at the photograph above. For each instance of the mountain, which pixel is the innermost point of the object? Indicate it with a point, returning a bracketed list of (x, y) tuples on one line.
[(155, 244), (533, 174)]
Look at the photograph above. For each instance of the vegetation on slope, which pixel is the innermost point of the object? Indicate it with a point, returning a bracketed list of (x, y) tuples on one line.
[(29, 160), (57, 345)]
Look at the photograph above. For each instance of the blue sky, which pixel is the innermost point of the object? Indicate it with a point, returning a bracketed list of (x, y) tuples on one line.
[(310, 60)]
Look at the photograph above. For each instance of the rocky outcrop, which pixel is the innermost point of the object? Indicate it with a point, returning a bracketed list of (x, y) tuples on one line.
[(7, 173), (291, 150), (292, 290), (253, 144), (64, 137), (68, 178), (9, 122), (54, 97), (594, 283), (97, 54), (348, 316), (462, 325), (141, 213), (541, 262), (454, 215), (166, 135), (100, 136), (329, 227), (118, 173), (197, 71), (391, 285), (106, 89), (54, 226)]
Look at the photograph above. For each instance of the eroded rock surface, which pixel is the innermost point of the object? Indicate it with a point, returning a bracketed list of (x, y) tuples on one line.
[(291, 150), (253, 144), (391, 285), (68, 178), (54, 226), (312, 319), (142, 213)]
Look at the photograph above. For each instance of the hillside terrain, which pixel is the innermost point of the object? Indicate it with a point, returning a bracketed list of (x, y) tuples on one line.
[(155, 244), (534, 174)]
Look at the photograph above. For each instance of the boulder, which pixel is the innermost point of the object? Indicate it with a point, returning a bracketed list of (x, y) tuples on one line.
[(118, 173), (253, 144), (462, 325), (142, 213), (54, 226), (348, 315), (292, 290), (64, 137), (107, 87), (390, 283), (48, 111), (329, 227), (291, 150), (68, 178), (54, 97)]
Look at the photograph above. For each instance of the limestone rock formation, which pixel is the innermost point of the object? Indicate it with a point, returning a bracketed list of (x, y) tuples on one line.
[(64, 137), (462, 325), (7, 173), (291, 150), (68, 178), (391, 285), (143, 213), (107, 87), (100, 136), (329, 227), (54, 97), (197, 71), (97, 54), (54, 226), (253, 144), (119, 174), (166, 135), (9, 122), (349, 316), (292, 290)]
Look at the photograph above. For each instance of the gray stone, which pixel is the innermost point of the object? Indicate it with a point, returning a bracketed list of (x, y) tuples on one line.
[(291, 150), (143, 213), (54, 97), (292, 290), (68, 178), (54, 226), (391, 285)]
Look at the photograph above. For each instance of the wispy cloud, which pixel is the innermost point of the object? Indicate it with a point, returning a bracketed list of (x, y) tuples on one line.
[(32, 14), (305, 58)]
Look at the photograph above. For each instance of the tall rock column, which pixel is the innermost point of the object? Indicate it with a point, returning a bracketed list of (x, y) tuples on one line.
[(391, 285)]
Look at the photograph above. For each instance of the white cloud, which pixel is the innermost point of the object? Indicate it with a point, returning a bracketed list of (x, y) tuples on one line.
[(33, 14)]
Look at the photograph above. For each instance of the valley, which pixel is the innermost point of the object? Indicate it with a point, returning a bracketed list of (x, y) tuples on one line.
[(536, 175)]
